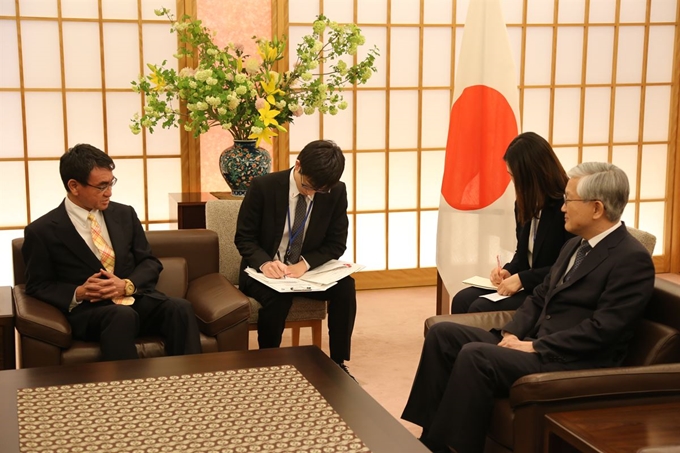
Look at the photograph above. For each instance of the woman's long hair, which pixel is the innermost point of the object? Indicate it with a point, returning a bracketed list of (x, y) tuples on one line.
[(537, 174)]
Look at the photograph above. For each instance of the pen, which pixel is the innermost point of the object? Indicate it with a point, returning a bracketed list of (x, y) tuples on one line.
[(498, 261), (306, 288)]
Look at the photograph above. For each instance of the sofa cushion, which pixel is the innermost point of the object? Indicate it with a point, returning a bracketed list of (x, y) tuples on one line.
[(652, 344), (174, 279)]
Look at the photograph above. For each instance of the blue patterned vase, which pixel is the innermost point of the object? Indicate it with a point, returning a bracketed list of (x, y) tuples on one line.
[(241, 163)]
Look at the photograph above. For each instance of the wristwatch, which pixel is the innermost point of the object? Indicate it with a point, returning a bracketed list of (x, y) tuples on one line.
[(129, 287)]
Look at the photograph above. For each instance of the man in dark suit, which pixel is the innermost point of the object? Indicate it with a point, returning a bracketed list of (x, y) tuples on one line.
[(89, 257), (581, 316), (292, 221)]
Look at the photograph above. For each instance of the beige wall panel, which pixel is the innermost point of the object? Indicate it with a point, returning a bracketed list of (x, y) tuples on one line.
[(596, 115), (402, 240), (461, 10), (9, 69), (348, 179), (652, 215), (569, 55), (633, 11), (568, 156), (370, 241), (46, 188), (11, 131), (304, 130), (164, 177), (7, 9), (38, 8), (567, 114), (515, 38), (340, 127), (437, 56), (163, 48), (431, 173), (540, 12), (87, 9), (663, 10), (571, 12), (119, 109), (40, 48), (163, 142), (6, 268), (660, 53), (656, 113), (121, 55), (403, 180), (371, 120), (407, 12), (602, 11), (370, 183), (148, 7), (349, 251), (81, 55), (162, 226), (627, 114), (600, 54), (121, 9), (595, 154), (130, 187), (341, 11), (628, 216), (435, 11), (654, 171), (625, 157), (435, 118), (512, 11), (538, 56), (374, 11), (629, 62), (85, 119), (536, 113), (13, 199), (44, 124), (403, 119), (377, 36), (303, 10), (428, 238), (403, 71)]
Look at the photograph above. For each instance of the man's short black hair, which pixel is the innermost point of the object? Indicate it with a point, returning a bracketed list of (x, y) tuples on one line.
[(79, 161), (322, 163)]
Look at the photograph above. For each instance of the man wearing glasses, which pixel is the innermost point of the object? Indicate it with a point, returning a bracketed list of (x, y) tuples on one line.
[(292, 221), (89, 257)]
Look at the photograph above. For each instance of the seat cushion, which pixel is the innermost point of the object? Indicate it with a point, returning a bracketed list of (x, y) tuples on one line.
[(303, 309), (174, 279)]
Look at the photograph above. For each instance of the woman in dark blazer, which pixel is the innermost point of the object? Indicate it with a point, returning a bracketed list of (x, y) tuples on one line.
[(539, 188)]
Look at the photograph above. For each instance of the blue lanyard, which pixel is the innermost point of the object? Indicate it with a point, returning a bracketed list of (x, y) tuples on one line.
[(301, 228)]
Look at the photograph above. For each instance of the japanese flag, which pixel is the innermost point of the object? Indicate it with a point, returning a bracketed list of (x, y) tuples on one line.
[(476, 219)]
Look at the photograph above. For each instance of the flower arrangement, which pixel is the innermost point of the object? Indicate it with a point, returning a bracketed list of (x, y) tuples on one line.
[(242, 93)]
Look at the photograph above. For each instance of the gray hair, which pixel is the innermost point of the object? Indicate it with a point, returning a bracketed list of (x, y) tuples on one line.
[(604, 182)]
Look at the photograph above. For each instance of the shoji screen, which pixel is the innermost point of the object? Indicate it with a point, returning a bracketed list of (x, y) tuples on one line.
[(65, 79), (595, 79)]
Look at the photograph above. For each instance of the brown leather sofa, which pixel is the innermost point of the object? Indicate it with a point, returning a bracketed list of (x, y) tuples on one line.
[(651, 374), (191, 270)]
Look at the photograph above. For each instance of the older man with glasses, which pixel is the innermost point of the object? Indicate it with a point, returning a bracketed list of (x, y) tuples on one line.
[(292, 221), (89, 257)]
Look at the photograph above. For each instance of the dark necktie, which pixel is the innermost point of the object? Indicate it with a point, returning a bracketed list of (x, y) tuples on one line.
[(298, 230), (583, 249)]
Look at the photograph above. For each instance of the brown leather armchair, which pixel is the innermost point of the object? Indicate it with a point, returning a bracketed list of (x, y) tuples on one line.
[(191, 270), (651, 374)]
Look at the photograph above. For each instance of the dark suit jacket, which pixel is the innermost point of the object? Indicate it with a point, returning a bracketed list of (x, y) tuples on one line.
[(58, 259), (591, 317), (550, 237), (263, 214)]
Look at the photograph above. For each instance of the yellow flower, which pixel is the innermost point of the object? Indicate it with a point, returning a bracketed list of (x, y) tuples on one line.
[(270, 87), (156, 78), (266, 134), (267, 115), (267, 51)]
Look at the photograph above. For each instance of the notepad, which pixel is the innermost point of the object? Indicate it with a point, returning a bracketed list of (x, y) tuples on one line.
[(479, 282)]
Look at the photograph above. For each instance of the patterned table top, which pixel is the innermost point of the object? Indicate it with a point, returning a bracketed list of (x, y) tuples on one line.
[(268, 409)]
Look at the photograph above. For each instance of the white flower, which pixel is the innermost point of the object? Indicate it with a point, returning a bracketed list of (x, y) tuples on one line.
[(193, 85), (213, 100), (309, 110), (342, 105), (211, 81), (226, 126), (241, 90), (240, 78), (203, 74), (212, 52), (201, 105), (281, 104), (318, 45), (256, 130), (229, 76), (222, 111)]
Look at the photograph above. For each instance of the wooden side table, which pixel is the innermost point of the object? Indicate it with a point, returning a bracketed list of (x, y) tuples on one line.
[(190, 207), (7, 353), (624, 429)]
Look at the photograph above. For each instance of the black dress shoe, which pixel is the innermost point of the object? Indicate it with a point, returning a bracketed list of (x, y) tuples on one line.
[(344, 368)]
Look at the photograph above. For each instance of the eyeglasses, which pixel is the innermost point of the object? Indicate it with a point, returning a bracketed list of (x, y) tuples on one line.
[(103, 187), (567, 200), (308, 187)]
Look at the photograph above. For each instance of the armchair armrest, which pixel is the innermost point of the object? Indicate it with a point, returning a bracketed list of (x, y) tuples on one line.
[(40, 320), (596, 384), (484, 320), (217, 303)]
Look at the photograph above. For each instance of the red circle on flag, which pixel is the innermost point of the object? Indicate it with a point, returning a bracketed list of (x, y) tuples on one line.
[(481, 126)]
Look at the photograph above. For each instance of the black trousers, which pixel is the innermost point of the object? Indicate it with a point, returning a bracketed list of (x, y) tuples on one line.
[(342, 310), (461, 372), (115, 327), (469, 300)]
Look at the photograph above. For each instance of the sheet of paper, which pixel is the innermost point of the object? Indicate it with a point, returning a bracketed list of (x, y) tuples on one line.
[(330, 272), (287, 284), (479, 282), (494, 297)]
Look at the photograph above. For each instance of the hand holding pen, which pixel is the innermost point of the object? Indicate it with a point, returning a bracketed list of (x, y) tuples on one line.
[(275, 268), (498, 274)]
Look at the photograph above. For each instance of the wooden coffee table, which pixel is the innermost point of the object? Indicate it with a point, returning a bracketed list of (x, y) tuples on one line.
[(376, 428)]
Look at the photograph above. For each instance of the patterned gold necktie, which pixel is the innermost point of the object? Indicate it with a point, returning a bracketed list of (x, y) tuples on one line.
[(108, 256)]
